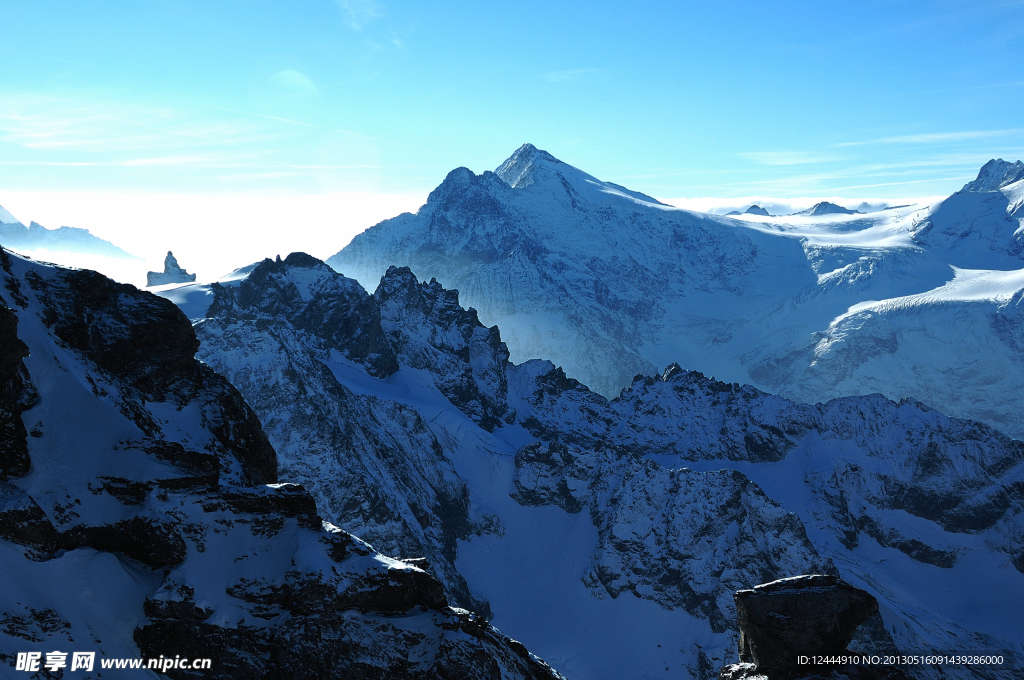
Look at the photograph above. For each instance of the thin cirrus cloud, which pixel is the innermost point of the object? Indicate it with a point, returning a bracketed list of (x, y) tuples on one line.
[(359, 13), (789, 157), (41, 123), (939, 137), (293, 83)]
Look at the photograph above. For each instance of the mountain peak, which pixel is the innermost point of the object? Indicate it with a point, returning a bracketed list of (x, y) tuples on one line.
[(517, 169), (826, 208), (995, 175)]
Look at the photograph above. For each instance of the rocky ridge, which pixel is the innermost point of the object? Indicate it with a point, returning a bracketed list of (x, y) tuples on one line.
[(841, 487), (141, 514), (282, 335)]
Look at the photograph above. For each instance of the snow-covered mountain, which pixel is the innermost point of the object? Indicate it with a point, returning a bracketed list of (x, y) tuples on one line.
[(140, 515), (915, 302), (826, 208), (609, 536)]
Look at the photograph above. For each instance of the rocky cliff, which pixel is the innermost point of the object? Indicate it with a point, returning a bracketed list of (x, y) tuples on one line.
[(141, 514)]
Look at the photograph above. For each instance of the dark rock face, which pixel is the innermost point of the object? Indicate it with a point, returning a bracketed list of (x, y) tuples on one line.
[(332, 307), (808, 616), (803, 615), (16, 395), (145, 348)]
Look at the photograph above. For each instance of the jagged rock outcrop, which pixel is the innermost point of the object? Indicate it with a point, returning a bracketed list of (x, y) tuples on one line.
[(785, 624), (172, 273), (142, 516), (431, 331), (285, 336), (803, 615), (995, 175)]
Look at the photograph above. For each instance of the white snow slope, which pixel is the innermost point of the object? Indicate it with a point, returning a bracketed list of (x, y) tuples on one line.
[(922, 301)]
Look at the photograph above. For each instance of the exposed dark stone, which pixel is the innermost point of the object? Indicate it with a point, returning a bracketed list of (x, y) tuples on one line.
[(345, 315), (32, 625), (136, 336), (321, 647), (22, 521), (179, 605), (16, 395), (802, 615), (144, 343), (237, 428), (290, 500), (153, 543), (808, 616), (127, 491), (194, 462), (546, 462), (305, 595)]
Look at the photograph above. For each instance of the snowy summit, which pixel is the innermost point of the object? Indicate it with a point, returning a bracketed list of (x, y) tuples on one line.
[(610, 283)]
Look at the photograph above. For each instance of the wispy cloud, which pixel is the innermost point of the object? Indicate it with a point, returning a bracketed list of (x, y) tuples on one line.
[(939, 137), (571, 74), (293, 83), (789, 157), (359, 12), (83, 124)]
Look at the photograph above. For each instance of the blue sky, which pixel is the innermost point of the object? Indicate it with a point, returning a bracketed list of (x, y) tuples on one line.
[(178, 124), (673, 99)]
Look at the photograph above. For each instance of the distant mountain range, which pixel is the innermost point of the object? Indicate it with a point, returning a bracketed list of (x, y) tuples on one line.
[(918, 302), (15, 235)]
